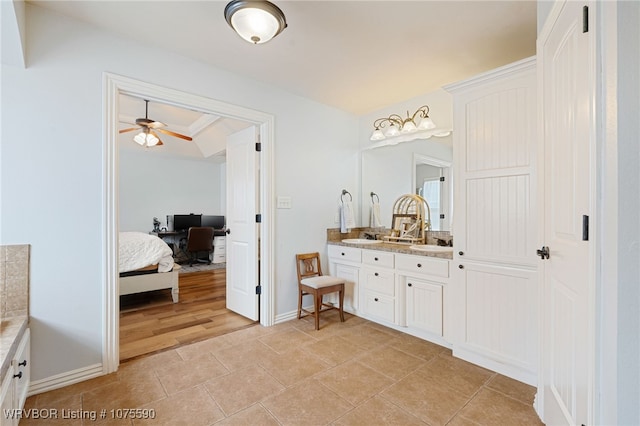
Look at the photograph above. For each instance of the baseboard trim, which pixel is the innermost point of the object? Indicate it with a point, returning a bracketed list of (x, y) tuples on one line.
[(65, 379), (288, 316)]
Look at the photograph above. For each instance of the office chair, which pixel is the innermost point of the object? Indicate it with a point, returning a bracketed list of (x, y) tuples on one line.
[(199, 239), (311, 281)]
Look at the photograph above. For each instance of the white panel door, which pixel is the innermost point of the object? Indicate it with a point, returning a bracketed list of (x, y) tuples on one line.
[(242, 240), (567, 87)]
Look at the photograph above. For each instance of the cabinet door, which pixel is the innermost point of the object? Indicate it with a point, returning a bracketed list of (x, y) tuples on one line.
[(500, 316), (351, 276), (424, 305), (22, 367), (6, 399)]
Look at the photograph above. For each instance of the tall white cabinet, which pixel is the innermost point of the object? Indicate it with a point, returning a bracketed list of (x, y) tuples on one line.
[(493, 304)]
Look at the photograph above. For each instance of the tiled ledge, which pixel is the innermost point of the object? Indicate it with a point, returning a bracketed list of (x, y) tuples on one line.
[(11, 331)]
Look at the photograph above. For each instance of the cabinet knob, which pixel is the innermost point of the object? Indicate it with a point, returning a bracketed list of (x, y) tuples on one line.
[(376, 299), (461, 253), (375, 258), (461, 266), (419, 265), (376, 274), (19, 375), (23, 363), (410, 285), (342, 254)]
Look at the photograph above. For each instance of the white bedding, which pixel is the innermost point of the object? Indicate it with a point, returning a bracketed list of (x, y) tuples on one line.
[(138, 250)]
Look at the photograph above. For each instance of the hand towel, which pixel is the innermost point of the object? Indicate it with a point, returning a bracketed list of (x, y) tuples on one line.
[(375, 221), (347, 218)]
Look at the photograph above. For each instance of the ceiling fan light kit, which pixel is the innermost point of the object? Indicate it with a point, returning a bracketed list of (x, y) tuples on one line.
[(147, 137), (256, 21)]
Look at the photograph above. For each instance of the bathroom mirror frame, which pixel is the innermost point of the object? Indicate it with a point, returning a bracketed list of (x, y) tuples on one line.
[(447, 172)]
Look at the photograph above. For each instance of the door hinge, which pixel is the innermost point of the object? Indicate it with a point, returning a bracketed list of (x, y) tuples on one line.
[(258, 146), (258, 289), (258, 218), (585, 227), (441, 178), (585, 19)]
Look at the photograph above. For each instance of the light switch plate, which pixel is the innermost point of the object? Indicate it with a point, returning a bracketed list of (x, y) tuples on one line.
[(283, 202)]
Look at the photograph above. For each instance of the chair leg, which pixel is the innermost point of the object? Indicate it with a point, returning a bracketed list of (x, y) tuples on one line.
[(341, 304), (317, 305), (299, 303)]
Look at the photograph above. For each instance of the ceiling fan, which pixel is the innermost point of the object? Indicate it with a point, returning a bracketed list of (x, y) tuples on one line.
[(148, 128)]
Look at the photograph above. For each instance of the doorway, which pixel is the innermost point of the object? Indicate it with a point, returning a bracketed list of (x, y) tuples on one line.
[(115, 85)]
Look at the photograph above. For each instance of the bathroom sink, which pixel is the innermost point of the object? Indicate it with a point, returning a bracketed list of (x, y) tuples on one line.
[(360, 241), (431, 247)]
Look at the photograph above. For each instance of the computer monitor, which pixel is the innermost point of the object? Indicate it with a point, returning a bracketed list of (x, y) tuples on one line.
[(216, 222), (182, 222)]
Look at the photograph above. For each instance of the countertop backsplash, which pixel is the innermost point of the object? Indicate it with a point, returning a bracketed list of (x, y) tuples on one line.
[(14, 280)]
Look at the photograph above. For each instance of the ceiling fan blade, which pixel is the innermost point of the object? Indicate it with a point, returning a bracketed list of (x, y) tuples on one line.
[(177, 135), (129, 129)]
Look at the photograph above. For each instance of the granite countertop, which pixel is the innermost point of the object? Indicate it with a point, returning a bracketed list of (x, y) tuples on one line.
[(396, 248), (11, 331)]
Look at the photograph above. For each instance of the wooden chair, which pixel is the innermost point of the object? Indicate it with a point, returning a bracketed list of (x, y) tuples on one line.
[(311, 281)]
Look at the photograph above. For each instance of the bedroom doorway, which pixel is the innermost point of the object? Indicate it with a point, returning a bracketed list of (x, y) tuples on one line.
[(114, 87)]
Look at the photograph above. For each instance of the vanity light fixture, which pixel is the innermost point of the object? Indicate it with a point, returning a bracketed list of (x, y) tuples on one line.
[(396, 125), (256, 21)]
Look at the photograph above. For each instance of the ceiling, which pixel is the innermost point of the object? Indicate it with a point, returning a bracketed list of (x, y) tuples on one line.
[(358, 56)]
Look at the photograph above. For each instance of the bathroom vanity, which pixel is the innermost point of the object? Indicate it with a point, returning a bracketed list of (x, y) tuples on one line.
[(394, 285)]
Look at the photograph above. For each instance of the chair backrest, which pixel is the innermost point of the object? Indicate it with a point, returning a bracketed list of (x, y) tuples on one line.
[(308, 265), (200, 238)]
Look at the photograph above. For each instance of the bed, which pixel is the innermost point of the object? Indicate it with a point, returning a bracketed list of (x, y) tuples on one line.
[(146, 264)]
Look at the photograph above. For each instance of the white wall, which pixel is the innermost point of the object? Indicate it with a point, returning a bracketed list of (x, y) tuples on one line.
[(157, 186), (52, 159)]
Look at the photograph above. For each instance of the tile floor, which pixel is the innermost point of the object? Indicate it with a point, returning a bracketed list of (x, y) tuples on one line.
[(351, 373)]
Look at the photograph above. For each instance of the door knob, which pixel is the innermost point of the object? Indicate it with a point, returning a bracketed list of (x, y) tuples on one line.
[(543, 252), (228, 231)]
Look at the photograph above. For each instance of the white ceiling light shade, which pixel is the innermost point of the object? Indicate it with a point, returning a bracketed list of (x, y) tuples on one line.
[(256, 21), (146, 139), (398, 125)]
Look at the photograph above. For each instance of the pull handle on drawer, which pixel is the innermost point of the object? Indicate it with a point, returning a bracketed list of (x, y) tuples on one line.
[(409, 284), (419, 265), (376, 274), (461, 266), (376, 299)]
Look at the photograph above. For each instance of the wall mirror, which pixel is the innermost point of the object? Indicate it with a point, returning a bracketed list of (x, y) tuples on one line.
[(432, 180), (394, 170)]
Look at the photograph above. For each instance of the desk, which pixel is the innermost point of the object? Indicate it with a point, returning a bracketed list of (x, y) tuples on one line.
[(171, 237)]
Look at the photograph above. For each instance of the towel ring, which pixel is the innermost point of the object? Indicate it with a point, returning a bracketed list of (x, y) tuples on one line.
[(344, 191), (373, 194)]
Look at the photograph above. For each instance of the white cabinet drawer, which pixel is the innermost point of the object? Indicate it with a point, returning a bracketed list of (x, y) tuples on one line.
[(379, 280), (349, 254), (378, 306), (423, 265), (377, 258)]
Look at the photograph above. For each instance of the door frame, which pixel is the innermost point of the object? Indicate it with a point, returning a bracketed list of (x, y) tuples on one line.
[(113, 86)]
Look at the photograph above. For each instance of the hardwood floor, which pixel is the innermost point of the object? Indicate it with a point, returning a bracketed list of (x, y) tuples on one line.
[(150, 322)]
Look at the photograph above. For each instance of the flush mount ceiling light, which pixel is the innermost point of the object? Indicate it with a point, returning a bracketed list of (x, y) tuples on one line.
[(256, 21), (396, 125)]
